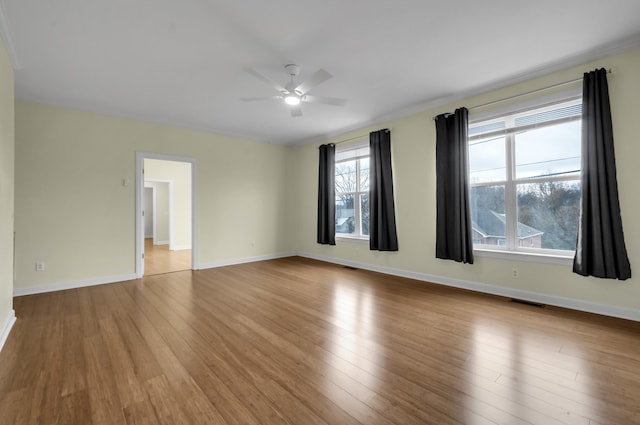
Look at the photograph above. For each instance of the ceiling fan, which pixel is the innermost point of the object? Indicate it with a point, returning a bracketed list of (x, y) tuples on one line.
[(292, 93)]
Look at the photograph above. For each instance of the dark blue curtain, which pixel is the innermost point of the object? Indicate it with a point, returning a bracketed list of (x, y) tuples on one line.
[(382, 214), (600, 249), (327, 195), (454, 239)]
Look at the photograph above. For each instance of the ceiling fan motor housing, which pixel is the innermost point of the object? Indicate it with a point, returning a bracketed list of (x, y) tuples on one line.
[(292, 69)]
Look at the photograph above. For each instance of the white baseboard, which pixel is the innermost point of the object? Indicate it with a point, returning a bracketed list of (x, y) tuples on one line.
[(161, 243), (180, 247), (570, 303), (245, 260), (51, 287), (6, 328)]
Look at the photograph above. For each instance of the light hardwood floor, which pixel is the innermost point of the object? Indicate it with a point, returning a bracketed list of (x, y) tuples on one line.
[(158, 259), (296, 341)]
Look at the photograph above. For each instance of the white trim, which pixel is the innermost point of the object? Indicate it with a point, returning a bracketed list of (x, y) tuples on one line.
[(570, 303), (161, 243), (140, 157), (342, 237), (171, 217), (6, 328), (8, 40), (180, 247), (139, 251), (153, 214), (61, 286), (154, 201), (169, 182), (40, 289), (244, 260), (528, 257)]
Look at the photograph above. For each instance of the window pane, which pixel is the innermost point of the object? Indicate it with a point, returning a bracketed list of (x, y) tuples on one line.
[(364, 174), (549, 151), (548, 215), (345, 214), (346, 176), (487, 215), (487, 160), (364, 210)]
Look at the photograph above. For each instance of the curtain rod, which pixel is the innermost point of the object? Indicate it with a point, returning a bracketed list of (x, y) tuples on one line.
[(356, 137), (515, 96), (350, 139)]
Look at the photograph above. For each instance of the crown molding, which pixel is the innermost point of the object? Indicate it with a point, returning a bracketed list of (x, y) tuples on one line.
[(8, 41), (543, 70)]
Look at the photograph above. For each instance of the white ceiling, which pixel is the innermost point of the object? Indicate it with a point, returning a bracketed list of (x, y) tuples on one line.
[(181, 62)]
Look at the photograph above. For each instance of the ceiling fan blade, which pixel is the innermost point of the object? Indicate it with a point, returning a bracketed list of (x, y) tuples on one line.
[(296, 111), (265, 80), (319, 77), (251, 99), (336, 101)]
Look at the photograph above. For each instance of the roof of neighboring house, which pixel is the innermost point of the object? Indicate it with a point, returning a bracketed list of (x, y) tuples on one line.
[(492, 224)]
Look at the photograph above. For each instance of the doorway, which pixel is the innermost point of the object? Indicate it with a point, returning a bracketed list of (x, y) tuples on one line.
[(166, 250), (165, 214), (148, 212)]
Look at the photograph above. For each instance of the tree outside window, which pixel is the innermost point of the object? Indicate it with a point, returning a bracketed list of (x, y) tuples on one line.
[(525, 180), (352, 193)]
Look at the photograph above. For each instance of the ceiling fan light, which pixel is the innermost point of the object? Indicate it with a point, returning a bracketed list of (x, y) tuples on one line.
[(292, 100)]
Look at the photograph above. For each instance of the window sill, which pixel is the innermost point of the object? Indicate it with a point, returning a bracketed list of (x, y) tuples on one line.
[(356, 239), (565, 260)]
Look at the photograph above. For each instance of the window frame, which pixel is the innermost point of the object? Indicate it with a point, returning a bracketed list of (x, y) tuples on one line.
[(358, 193), (511, 182)]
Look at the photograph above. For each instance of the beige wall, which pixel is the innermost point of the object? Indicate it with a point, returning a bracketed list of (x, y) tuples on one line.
[(179, 173), (6, 188), (74, 213), (413, 151)]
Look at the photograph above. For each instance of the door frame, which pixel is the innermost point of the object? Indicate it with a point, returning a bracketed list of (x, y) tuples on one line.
[(139, 251), (144, 210), (155, 210)]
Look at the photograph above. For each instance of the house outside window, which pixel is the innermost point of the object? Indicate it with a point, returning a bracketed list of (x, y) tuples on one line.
[(352, 191), (525, 180)]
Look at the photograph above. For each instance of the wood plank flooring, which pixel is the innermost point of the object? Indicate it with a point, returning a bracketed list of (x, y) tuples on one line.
[(297, 341), (159, 259)]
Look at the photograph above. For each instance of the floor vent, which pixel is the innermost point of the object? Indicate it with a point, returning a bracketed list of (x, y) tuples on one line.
[(350, 268), (531, 303)]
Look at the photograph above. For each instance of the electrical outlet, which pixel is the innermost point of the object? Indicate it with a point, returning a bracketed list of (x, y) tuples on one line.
[(514, 273), (39, 266)]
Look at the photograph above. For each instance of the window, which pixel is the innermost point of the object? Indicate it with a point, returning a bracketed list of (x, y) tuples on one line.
[(525, 180), (352, 192)]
